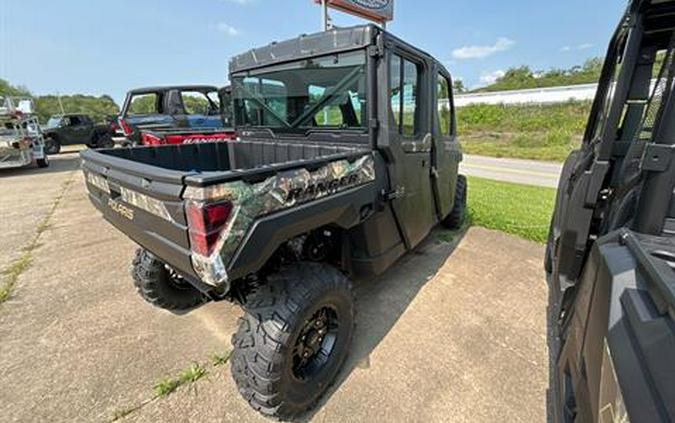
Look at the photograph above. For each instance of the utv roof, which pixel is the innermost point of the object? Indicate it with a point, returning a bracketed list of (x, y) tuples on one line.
[(326, 42), (658, 17), (317, 44), (173, 87)]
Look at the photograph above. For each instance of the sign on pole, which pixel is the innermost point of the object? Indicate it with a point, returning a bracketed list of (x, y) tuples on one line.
[(380, 11)]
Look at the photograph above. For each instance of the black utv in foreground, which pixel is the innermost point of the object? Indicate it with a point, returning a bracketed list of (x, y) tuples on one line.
[(347, 158), (611, 250)]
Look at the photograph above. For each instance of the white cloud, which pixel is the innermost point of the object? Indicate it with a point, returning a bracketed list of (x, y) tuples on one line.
[(584, 46), (488, 78), (227, 29), (479, 52), (239, 1)]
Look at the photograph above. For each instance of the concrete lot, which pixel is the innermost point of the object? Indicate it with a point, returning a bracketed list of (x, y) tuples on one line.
[(454, 332)]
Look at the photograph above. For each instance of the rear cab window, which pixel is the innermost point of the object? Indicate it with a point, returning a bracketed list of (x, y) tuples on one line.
[(327, 92), (200, 103)]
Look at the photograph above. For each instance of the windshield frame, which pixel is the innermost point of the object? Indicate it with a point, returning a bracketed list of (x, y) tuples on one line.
[(285, 127)]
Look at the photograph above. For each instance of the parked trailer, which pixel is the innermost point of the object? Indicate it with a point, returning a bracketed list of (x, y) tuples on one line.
[(21, 139)]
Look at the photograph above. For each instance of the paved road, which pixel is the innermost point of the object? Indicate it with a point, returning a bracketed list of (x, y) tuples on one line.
[(530, 172), (438, 337)]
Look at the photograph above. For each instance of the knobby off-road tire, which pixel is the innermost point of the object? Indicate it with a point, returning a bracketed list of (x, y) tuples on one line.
[(456, 217), (52, 146), (106, 141), (281, 319), (42, 163), (101, 140), (161, 287), (548, 255)]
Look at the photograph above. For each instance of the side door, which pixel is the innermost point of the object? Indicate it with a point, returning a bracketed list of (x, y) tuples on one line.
[(85, 130), (410, 142), (585, 171), (73, 130), (446, 152)]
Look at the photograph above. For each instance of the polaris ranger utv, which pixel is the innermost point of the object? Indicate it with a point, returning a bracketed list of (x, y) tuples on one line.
[(611, 250), (177, 114), (347, 159)]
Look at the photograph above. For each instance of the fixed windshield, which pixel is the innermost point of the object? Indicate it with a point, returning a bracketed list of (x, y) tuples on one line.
[(324, 92), (54, 121)]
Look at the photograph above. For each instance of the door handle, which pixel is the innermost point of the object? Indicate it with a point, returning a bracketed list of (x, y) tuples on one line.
[(393, 195)]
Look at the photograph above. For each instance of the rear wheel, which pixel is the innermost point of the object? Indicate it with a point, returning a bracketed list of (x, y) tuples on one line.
[(456, 217), (105, 141), (161, 286), (293, 339), (102, 140)]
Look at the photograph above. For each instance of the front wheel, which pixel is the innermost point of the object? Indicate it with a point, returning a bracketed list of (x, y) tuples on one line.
[(52, 146), (44, 162), (293, 339)]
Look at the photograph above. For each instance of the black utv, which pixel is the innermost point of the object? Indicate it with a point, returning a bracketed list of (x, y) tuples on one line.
[(611, 250), (73, 129), (346, 159)]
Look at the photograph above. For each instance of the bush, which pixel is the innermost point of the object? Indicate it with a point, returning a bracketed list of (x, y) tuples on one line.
[(544, 132)]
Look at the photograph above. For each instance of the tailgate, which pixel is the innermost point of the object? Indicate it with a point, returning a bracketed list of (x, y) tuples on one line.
[(142, 201)]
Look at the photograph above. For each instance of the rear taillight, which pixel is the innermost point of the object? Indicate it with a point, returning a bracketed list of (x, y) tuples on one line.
[(125, 127), (150, 139), (205, 223)]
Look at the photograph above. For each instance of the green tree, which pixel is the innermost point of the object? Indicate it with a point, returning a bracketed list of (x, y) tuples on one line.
[(98, 108), (9, 90), (458, 86), (48, 105), (523, 77)]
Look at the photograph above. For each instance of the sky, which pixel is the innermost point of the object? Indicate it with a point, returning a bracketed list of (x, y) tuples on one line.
[(99, 47)]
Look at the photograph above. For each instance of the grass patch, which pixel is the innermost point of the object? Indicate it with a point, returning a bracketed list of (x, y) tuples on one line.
[(123, 412), (168, 385), (521, 210), (10, 275), (530, 131), (218, 359)]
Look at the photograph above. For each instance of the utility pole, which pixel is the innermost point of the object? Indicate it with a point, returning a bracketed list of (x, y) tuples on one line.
[(324, 14), (58, 96)]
